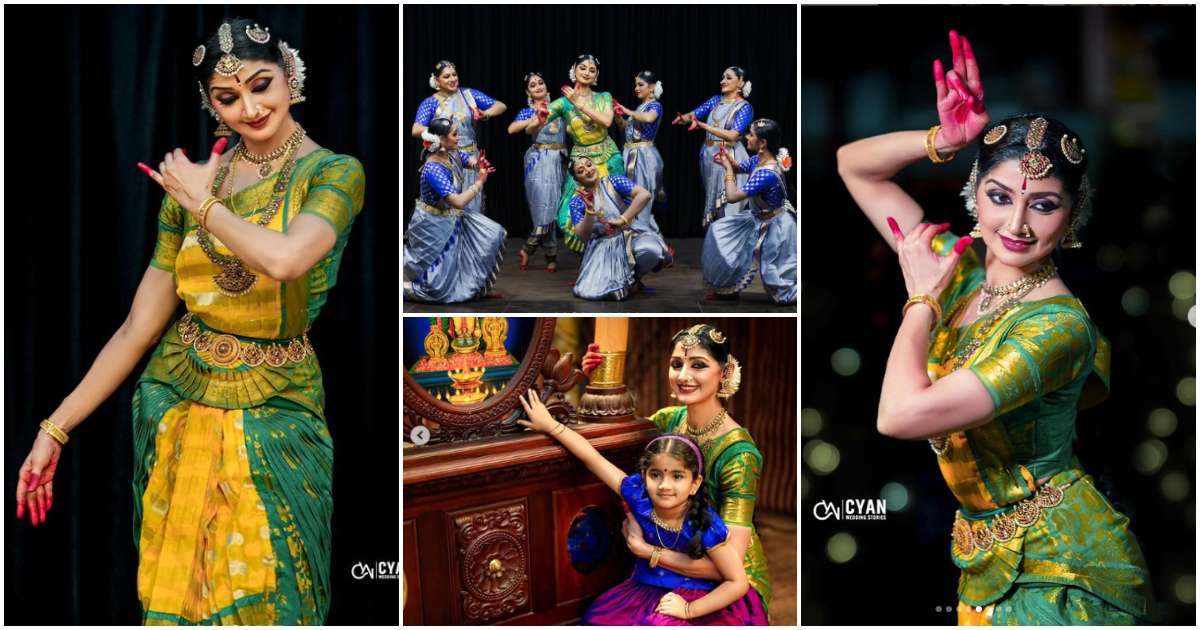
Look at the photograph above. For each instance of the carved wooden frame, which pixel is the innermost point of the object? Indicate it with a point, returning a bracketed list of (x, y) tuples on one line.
[(497, 414)]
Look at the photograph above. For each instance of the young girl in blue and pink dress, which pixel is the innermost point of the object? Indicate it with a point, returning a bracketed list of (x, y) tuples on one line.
[(670, 505)]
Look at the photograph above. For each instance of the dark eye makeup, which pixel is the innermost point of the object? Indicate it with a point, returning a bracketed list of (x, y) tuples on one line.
[(1002, 198), (229, 98)]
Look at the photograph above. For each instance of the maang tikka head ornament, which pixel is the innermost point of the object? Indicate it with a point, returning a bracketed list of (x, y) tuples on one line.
[(1034, 164), (228, 65)]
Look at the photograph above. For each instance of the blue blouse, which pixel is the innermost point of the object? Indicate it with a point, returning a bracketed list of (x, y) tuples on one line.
[(649, 130), (764, 183), (633, 490), (741, 118), (428, 106), (623, 185), (437, 180)]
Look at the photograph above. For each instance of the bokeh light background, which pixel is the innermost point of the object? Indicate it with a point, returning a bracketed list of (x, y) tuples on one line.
[(1124, 79)]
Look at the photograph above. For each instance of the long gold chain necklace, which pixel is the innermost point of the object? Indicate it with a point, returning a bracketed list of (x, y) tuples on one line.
[(235, 280), (711, 427), (264, 161), (1038, 278)]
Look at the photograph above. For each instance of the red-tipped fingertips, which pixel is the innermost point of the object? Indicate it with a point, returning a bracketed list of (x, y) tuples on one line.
[(145, 169), (962, 244), (942, 227), (219, 147), (895, 227)]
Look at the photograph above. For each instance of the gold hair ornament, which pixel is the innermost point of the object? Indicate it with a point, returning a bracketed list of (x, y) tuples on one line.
[(995, 135), (228, 65), (1034, 164)]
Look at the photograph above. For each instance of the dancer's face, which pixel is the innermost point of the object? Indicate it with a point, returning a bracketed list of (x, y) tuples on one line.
[(1003, 212), (752, 140), (730, 82), (585, 172), (586, 72), (258, 93), (536, 88), (668, 481), (641, 89), (450, 141), (448, 79), (694, 375)]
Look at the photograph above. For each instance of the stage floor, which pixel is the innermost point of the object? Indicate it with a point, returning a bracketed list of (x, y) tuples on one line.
[(679, 289)]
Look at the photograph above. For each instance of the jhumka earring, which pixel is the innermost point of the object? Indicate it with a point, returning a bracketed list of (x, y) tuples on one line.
[(293, 66), (223, 130), (976, 232), (731, 378), (1070, 241)]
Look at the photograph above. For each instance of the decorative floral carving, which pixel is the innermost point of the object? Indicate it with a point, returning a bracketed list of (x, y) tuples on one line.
[(493, 555)]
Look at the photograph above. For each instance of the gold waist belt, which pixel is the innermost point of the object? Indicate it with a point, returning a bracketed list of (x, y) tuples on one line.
[(554, 147), (226, 350), (593, 150), (439, 212), (971, 535), (713, 143), (639, 144)]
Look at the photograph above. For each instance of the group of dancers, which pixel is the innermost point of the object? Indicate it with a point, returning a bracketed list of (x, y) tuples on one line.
[(601, 199)]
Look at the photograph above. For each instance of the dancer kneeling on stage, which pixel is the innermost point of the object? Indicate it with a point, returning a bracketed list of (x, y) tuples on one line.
[(617, 252), (450, 255), (762, 240)]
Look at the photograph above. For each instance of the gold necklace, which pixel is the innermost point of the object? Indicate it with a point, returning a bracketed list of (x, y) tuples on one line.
[(709, 428), (264, 161), (939, 444), (1020, 285), (235, 280), (661, 524)]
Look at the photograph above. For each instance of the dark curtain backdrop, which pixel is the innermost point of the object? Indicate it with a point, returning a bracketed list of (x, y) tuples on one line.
[(765, 403), (91, 92), (687, 46)]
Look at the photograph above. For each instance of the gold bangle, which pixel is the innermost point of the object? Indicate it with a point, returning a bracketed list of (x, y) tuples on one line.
[(53, 431), (205, 206), (932, 150), (687, 610), (558, 429), (929, 301), (654, 556)]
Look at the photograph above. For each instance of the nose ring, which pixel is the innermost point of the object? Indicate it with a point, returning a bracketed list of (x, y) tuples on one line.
[(1026, 232)]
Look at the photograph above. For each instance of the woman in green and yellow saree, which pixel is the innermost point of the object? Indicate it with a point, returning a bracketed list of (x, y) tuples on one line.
[(588, 114), (995, 356), (701, 371), (233, 460)]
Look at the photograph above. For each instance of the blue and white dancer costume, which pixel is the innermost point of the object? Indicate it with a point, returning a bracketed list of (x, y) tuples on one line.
[(613, 262), (644, 165), (450, 255), (761, 240), (544, 173), (734, 114), (457, 106)]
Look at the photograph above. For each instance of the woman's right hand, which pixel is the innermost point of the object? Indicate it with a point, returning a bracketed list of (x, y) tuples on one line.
[(683, 119), (961, 111), (35, 481), (591, 359)]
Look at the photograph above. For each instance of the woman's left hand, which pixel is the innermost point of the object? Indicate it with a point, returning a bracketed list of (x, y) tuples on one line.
[(539, 417), (925, 273), (187, 182), (633, 538), (672, 605)]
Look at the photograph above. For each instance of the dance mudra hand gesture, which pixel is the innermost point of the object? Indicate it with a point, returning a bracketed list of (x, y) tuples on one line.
[(925, 273), (540, 419), (591, 359), (960, 105), (187, 182), (35, 480), (683, 119)]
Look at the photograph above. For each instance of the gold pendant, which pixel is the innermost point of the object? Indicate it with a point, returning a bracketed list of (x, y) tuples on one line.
[(985, 302), (234, 281), (264, 170)]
